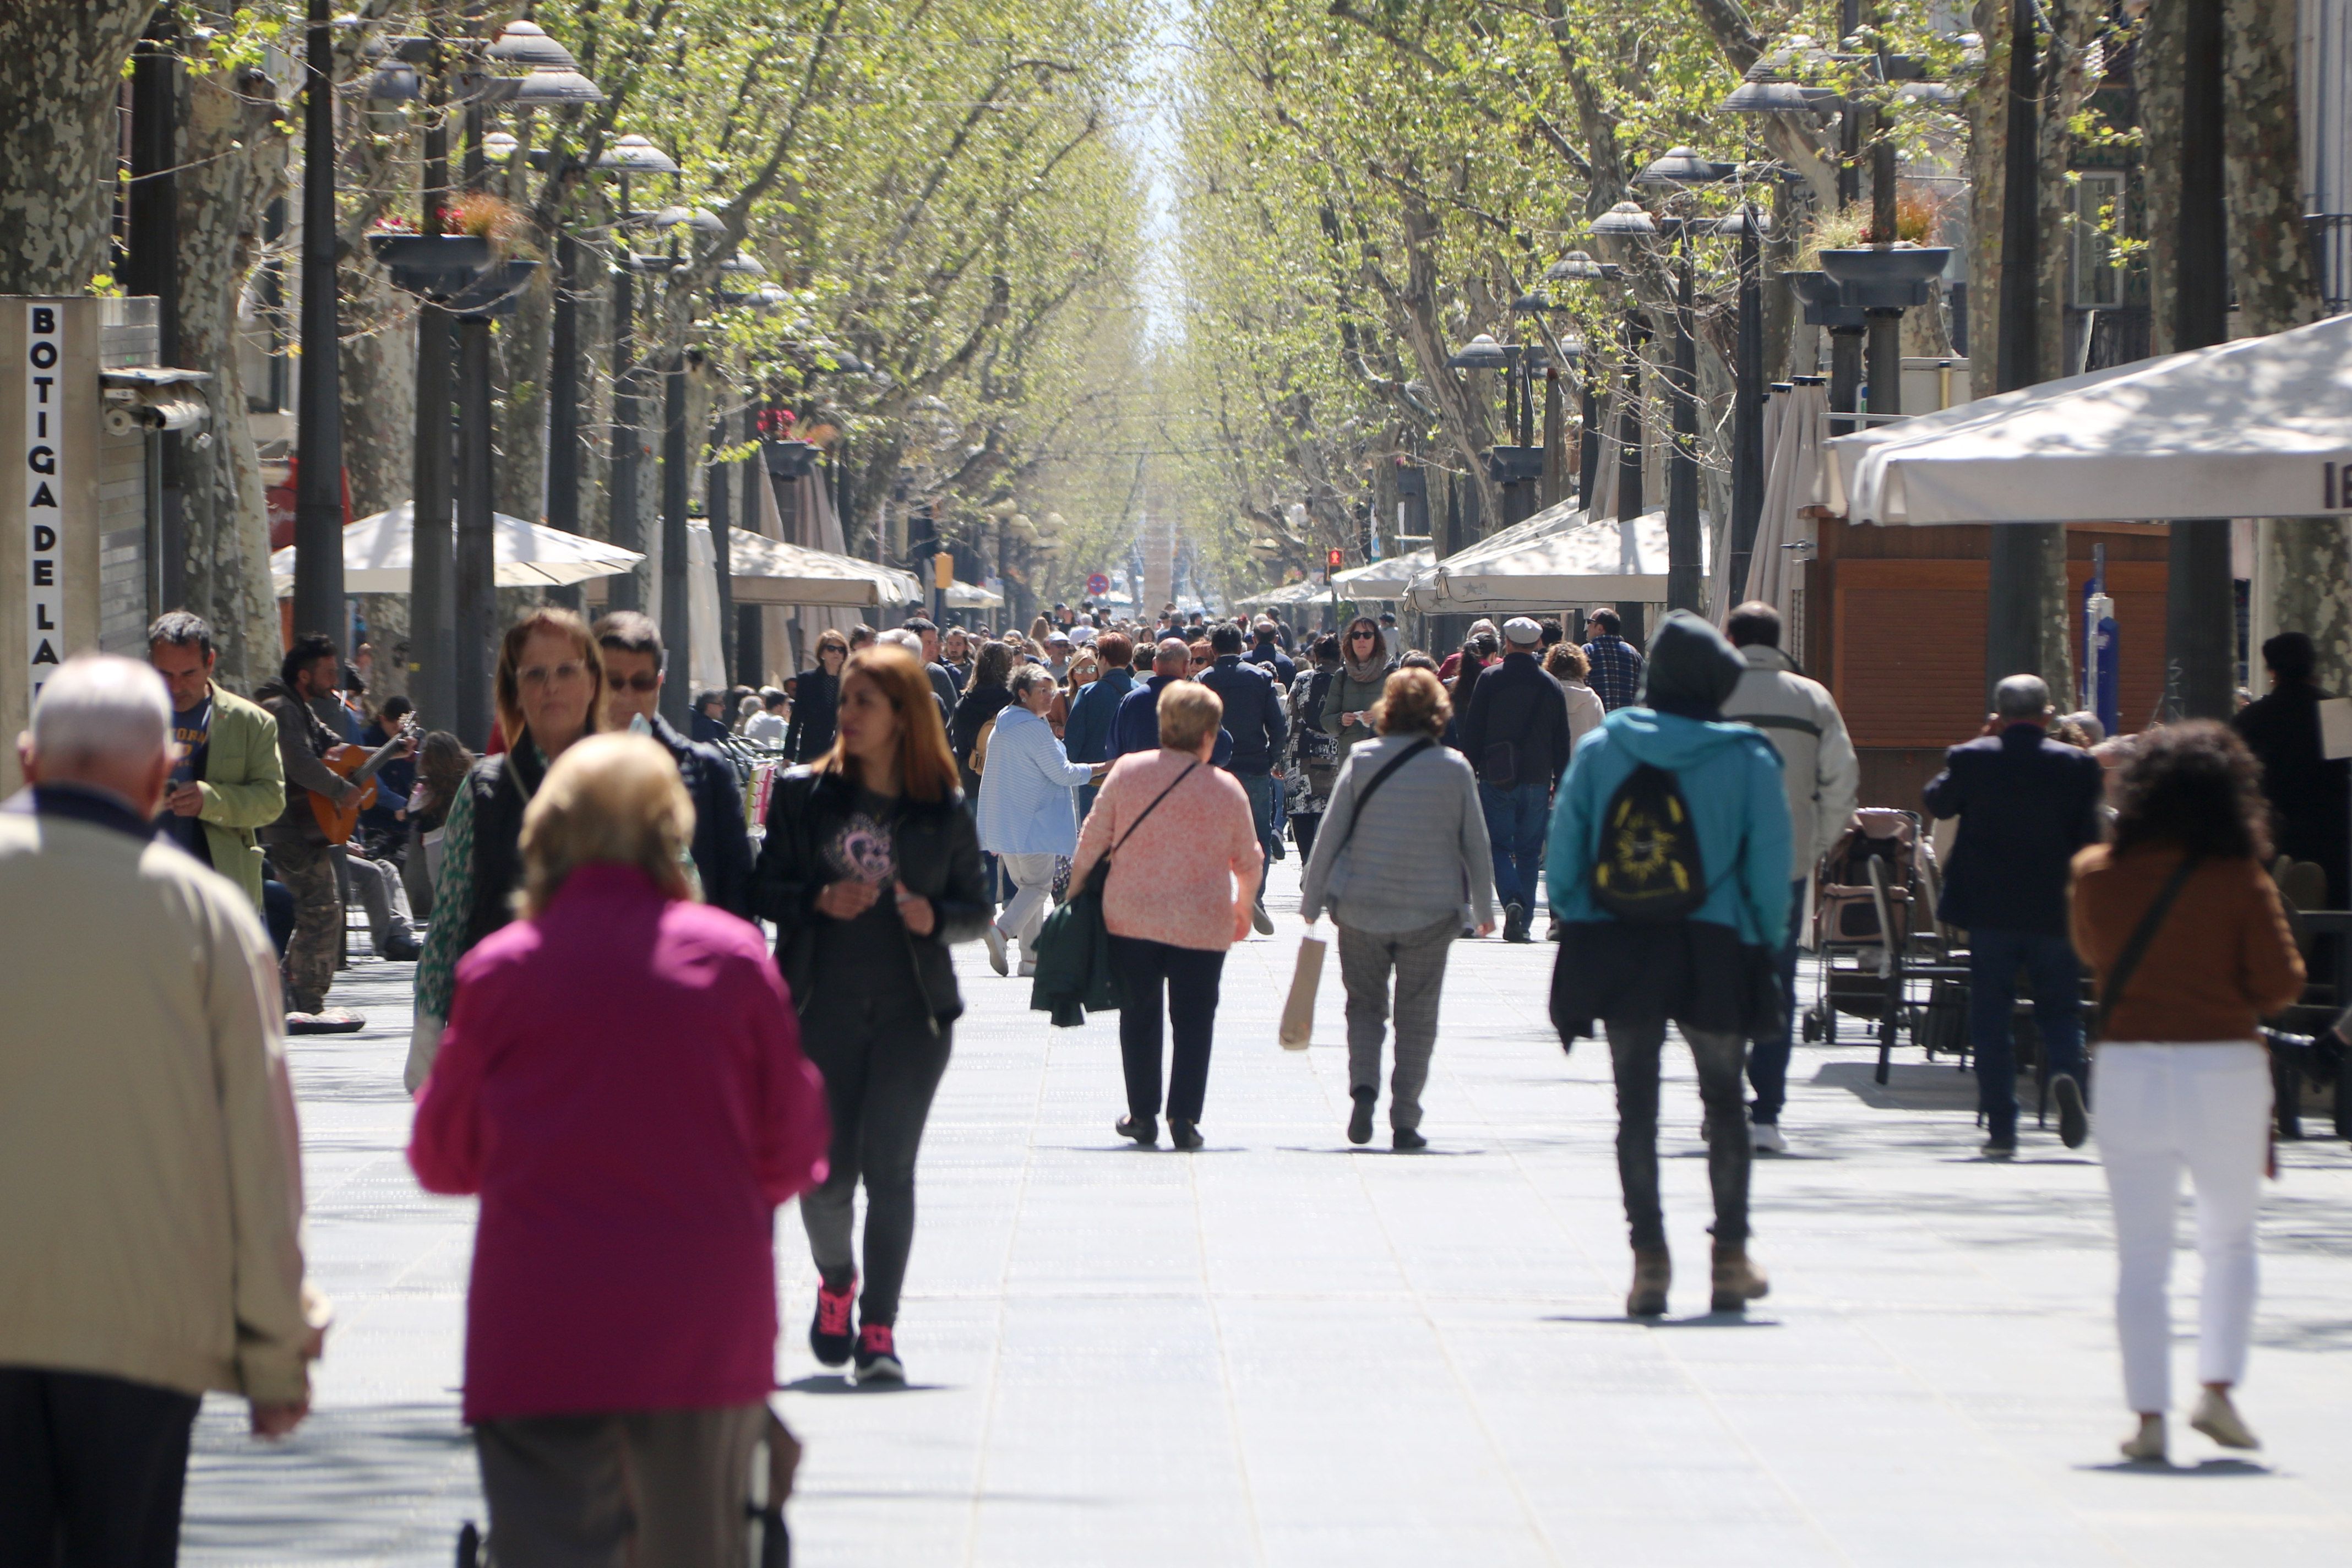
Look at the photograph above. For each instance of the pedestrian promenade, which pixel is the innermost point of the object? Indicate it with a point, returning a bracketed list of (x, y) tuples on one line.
[(1283, 1350)]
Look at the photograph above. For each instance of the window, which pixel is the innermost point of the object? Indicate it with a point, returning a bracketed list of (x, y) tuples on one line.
[(2096, 282)]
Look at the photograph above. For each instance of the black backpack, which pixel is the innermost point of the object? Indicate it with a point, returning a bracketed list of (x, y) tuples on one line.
[(1647, 870)]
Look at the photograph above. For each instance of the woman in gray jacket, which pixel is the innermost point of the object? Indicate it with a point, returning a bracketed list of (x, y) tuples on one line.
[(1401, 855)]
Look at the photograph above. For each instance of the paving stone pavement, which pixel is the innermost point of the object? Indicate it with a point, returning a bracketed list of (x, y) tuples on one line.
[(1284, 1350)]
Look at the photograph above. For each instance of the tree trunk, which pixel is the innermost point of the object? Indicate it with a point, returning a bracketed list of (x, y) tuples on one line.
[(233, 160), (61, 76), (2303, 578), (2065, 84), (522, 344)]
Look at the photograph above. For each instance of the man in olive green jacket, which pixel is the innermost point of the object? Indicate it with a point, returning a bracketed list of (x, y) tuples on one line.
[(151, 1186), (230, 780)]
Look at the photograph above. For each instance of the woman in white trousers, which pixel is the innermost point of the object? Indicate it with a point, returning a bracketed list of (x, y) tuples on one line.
[(2183, 928)]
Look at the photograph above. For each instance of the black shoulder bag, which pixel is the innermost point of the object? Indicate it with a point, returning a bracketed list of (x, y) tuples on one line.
[(2136, 948), (1365, 798)]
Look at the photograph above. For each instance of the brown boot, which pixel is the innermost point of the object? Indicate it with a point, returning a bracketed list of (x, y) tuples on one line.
[(1654, 1270), (1737, 1281)]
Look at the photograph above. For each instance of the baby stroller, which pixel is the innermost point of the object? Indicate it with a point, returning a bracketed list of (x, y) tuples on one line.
[(1874, 916)]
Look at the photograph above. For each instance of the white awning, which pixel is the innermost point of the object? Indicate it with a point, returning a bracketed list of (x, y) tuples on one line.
[(1383, 580), (769, 572), (1555, 559), (2259, 427), (378, 551)]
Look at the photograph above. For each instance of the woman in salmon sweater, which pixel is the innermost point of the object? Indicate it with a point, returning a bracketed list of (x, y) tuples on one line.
[(1184, 863), (2182, 1077), (621, 1080)]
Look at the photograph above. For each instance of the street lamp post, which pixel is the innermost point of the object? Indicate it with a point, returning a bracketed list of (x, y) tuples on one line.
[(1680, 169), (318, 488)]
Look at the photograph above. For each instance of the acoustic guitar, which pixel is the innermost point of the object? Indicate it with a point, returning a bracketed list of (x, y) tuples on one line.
[(359, 764)]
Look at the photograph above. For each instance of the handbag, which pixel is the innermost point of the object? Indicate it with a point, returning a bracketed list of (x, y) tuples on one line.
[(1074, 973)]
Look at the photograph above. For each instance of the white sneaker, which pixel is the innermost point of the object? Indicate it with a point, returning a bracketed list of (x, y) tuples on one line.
[(1764, 1138), (2218, 1419), (1028, 967), (996, 952)]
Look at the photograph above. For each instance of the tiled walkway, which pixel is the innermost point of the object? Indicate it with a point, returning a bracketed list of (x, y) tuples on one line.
[(1285, 1351)]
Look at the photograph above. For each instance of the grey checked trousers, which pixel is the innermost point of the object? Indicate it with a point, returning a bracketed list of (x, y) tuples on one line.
[(1417, 960)]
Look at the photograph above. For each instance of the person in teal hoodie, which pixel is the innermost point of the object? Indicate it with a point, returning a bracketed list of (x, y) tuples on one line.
[(1710, 972)]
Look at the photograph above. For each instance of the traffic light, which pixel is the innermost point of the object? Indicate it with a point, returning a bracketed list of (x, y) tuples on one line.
[(1337, 559)]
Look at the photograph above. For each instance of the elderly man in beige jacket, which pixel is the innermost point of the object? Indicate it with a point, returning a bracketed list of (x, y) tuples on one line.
[(151, 1194)]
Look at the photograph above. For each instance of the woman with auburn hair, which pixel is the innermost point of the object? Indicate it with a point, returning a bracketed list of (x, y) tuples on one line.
[(549, 691), (1184, 868), (2183, 928), (870, 870), (1403, 862), (622, 1085)]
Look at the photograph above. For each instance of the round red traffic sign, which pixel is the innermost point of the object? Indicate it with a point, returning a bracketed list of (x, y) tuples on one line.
[(1097, 584)]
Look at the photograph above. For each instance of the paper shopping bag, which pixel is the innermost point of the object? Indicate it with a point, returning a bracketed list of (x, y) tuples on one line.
[(1299, 1012)]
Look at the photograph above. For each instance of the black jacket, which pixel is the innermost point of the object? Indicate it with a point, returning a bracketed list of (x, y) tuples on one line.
[(1268, 655), (722, 846), (1253, 714), (973, 710), (2305, 791), (502, 787), (2025, 804), (1516, 705), (937, 851), (816, 701)]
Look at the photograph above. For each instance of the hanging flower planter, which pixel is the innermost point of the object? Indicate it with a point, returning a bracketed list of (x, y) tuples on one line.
[(1886, 278), (435, 266), (1825, 302)]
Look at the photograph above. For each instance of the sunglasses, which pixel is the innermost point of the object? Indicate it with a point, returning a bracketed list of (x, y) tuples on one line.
[(638, 683), (1361, 636)]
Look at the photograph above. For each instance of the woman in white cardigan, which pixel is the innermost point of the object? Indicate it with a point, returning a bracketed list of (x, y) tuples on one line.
[(1028, 812)]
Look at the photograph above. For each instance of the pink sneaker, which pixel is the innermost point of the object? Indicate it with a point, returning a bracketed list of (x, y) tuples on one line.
[(829, 1334)]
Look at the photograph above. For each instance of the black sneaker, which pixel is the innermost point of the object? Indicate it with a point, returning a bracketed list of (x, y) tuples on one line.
[(1359, 1120), (1515, 922), (1404, 1140), (1999, 1148), (877, 1356), (1144, 1129), (2074, 1121), (829, 1335), (1183, 1134)]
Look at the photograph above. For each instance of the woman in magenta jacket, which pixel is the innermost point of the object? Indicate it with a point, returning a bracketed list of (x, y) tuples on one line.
[(621, 1082)]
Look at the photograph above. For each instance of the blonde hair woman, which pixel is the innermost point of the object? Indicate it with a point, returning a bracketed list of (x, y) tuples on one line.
[(620, 1057), (1185, 866), (550, 688)]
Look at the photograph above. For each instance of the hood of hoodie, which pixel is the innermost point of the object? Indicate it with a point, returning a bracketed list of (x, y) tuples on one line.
[(1691, 667), (1669, 741)]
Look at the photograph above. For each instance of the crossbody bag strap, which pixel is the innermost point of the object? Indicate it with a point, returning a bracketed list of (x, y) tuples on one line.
[(2136, 948), (1147, 810), (1425, 743)]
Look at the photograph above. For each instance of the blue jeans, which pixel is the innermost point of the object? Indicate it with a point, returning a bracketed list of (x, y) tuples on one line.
[(1517, 817), (1767, 1061), (2055, 982), (1263, 790)]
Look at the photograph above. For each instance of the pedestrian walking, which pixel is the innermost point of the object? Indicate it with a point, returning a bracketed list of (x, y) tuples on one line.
[(1184, 868), (1028, 815), (1565, 662), (815, 697), (1669, 866), (769, 725), (1254, 717), (635, 662), (1094, 712), (1266, 652), (1517, 739), (955, 656), (622, 1083), (441, 764), (1136, 726), (2026, 804), (942, 680), (1362, 679), (2306, 789), (151, 1245), (1313, 763), (1451, 670), (2182, 926), (229, 782), (986, 697), (870, 870), (1823, 778), (549, 691), (1405, 865), (1615, 664)]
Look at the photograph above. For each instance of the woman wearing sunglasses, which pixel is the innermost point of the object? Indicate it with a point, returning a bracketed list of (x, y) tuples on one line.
[(1363, 677), (549, 691)]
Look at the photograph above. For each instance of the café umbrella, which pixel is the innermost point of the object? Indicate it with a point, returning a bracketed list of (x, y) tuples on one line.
[(377, 552)]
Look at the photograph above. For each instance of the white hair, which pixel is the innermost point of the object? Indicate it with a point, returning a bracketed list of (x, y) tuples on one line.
[(101, 705), (901, 638), (2021, 697)]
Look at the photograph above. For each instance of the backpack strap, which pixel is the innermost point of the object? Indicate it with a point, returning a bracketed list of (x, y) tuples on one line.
[(2127, 961)]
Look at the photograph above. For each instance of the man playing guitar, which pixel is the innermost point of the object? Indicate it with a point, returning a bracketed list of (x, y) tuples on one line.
[(319, 799)]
